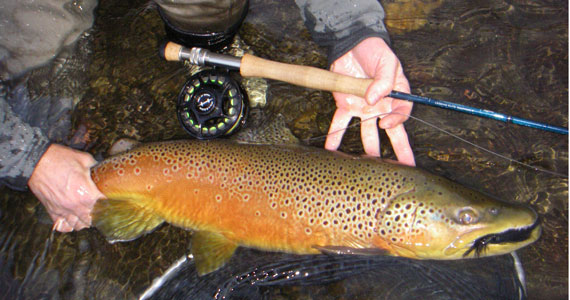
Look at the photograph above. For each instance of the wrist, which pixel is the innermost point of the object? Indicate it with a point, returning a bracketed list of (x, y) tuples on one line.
[(347, 43)]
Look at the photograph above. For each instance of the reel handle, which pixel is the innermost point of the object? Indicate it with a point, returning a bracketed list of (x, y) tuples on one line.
[(253, 66)]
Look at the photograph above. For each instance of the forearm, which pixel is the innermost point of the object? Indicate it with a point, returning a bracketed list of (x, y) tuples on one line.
[(342, 24), (21, 147)]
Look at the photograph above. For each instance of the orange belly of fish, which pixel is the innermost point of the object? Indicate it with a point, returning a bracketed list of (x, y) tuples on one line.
[(241, 210)]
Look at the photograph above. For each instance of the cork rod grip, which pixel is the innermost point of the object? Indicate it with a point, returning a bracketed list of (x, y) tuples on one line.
[(170, 51), (252, 66)]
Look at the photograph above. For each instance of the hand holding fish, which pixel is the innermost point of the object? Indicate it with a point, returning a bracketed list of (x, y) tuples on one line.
[(62, 182), (373, 58)]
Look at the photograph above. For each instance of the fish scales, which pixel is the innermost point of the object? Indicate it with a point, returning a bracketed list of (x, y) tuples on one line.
[(300, 200), (307, 198)]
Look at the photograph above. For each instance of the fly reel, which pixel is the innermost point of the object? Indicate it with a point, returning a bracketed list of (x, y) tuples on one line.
[(211, 104)]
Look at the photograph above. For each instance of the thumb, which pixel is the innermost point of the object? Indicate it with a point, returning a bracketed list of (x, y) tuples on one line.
[(379, 89)]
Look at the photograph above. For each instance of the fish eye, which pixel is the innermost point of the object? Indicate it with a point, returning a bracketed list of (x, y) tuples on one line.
[(467, 216), (494, 211)]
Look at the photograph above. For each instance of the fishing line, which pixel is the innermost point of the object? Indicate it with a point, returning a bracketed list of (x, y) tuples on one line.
[(159, 281), (450, 134), (520, 275)]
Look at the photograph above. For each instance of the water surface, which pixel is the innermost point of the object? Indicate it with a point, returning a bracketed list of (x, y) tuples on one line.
[(507, 56)]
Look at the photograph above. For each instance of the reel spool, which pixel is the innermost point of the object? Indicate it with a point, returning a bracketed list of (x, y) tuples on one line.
[(211, 104)]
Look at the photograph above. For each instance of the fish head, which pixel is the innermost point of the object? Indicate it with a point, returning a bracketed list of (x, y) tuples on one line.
[(442, 220)]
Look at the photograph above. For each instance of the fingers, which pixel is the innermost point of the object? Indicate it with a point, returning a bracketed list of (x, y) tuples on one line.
[(62, 226), (373, 58), (66, 219), (400, 109), (398, 114), (399, 140), (338, 126), (88, 195), (380, 63), (383, 82), (68, 224), (369, 136), (62, 182)]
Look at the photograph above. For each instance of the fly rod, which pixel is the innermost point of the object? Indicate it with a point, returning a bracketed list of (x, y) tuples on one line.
[(315, 78)]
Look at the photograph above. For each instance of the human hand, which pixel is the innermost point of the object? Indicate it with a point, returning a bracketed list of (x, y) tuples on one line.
[(62, 182), (373, 58)]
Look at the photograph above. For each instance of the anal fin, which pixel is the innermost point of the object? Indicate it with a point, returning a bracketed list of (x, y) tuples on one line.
[(211, 251), (123, 220)]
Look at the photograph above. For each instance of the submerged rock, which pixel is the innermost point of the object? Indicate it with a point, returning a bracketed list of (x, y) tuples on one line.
[(33, 32)]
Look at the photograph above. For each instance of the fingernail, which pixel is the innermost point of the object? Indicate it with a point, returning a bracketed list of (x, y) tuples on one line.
[(56, 225)]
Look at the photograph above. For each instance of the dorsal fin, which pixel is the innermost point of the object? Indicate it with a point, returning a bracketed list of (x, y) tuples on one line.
[(122, 145), (273, 130)]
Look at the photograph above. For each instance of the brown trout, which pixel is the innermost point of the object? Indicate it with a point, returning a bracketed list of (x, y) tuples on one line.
[(299, 200)]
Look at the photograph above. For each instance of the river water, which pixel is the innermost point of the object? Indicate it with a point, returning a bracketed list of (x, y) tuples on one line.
[(506, 56)]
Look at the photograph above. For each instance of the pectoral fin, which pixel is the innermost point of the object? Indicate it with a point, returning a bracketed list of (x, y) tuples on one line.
[(350, 251), (211, 251), (123, 220)]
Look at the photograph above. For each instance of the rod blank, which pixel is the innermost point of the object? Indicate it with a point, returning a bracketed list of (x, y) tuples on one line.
[(478, 112)]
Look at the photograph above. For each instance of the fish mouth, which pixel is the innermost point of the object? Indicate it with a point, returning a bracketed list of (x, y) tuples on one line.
[(513, 235)]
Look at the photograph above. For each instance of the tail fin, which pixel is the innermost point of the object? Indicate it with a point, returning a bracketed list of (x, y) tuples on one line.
[(123, 220)]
